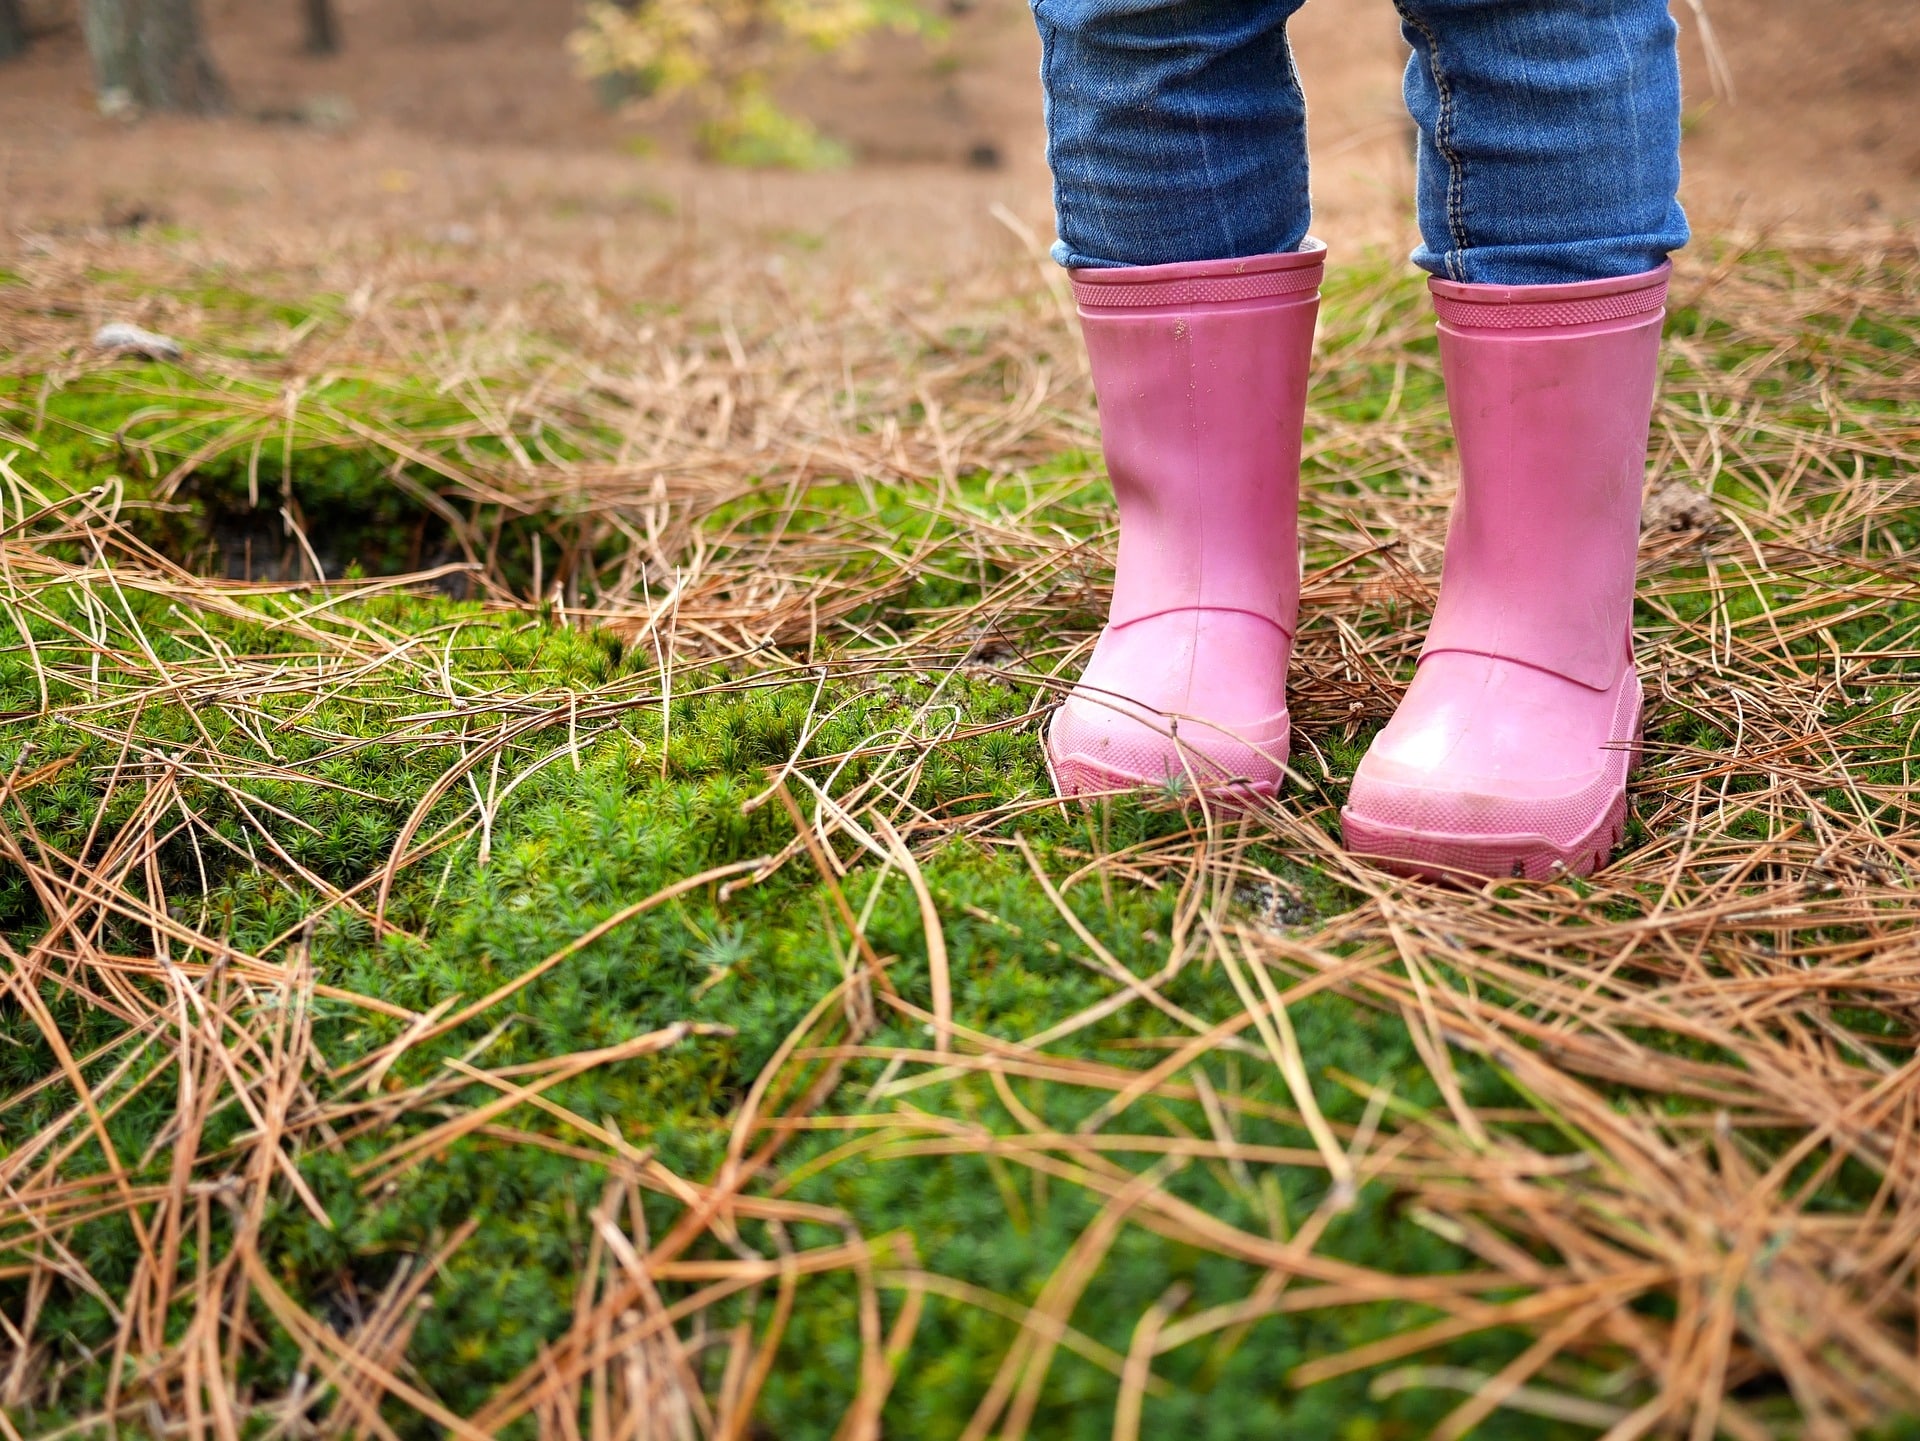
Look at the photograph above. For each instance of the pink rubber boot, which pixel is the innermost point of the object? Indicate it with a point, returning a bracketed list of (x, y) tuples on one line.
[(1201, 374), (1509, 755)]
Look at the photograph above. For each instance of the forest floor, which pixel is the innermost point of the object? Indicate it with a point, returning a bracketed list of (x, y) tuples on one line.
[(529, 902), (606, 955)]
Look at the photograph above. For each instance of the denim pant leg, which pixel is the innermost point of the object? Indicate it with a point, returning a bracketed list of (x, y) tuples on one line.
[(1549, 137), (1176, 129)]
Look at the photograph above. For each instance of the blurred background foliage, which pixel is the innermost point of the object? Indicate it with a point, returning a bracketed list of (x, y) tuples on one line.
[(723, 55), (717, 60)]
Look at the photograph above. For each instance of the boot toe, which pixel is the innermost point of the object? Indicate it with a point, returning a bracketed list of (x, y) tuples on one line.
[(1094, 747), (1496, 769), (1182, 700)]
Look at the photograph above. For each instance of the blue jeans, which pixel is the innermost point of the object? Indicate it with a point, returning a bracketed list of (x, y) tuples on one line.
[(1549, 143)]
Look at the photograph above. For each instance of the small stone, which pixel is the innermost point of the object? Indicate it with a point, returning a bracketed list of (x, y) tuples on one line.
[(1678, 506), (1274, 905), (116, 102), (132, 340)]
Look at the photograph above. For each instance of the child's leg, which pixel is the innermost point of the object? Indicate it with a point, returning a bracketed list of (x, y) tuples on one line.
[(1549, 137), (1548, 162), (1177, 138), (1175, 129)]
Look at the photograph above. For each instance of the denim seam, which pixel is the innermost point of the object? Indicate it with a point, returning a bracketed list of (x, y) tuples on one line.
[(1443, 126)]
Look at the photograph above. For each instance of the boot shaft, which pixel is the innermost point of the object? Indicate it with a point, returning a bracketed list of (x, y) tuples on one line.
[(1201, 375), (1551, 394)]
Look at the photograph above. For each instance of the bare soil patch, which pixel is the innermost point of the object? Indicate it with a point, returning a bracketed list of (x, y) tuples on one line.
[(468, 119)]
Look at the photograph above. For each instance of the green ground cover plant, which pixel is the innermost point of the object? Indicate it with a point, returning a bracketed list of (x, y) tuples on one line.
[(530, 904)]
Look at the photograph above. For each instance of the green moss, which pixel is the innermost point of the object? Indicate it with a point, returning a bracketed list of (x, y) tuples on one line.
[(575, 844)]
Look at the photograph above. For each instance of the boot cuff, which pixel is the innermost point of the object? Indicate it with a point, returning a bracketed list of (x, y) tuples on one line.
[(1526, 307), (1199, 282)]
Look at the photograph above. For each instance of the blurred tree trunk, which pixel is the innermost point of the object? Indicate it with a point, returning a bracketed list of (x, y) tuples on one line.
[(323, 29), (150, 54), (13, 29)]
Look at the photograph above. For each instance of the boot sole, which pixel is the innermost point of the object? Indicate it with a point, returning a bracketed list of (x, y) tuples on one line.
[(1435, 855), (1077, 779), (1075, 773)]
